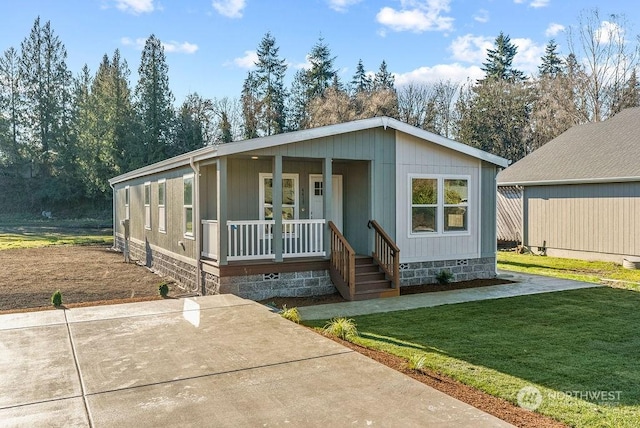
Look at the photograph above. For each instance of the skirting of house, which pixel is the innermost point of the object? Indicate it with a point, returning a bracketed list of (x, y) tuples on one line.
[(417, 273), (260, 287)]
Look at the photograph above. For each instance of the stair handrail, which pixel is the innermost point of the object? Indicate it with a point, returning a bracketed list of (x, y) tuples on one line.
[(386, 253), (343, 259)]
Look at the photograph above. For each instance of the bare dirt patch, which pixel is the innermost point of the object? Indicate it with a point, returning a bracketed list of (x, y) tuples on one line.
[(85, 275)]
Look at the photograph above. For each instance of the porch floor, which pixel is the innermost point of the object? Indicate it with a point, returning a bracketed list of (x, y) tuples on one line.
[(260, 267)]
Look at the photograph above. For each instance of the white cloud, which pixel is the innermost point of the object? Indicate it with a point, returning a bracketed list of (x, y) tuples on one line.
[(528, 56), (342, 5), (482, 16), (470, 48), (539, 3), (177, 47), (417, 16), (247, 61), (608, 31), (169, 47), (135, 7), (554, 29), (230, 8), (440, 72)]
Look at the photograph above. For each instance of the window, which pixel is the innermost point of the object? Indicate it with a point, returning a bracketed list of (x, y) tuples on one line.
[(126, 203), (147, 205), (187, 181), (439, 205), (162, 213), (289, 196)]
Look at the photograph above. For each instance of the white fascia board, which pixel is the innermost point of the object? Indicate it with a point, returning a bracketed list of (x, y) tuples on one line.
[(570, 181)]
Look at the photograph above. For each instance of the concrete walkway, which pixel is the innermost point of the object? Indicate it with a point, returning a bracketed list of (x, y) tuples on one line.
[(526, 284), (208, 361)]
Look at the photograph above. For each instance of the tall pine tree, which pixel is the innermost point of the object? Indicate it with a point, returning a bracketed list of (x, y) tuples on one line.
[(269, 76)]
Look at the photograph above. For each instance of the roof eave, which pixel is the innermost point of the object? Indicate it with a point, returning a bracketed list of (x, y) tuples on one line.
[(569, 181)]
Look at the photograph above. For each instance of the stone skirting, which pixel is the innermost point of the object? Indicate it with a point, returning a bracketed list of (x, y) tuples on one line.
[(260, 287), (183, 273), (418, 273)]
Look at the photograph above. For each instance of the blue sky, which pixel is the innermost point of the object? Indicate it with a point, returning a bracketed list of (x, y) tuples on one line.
[(210, 44)]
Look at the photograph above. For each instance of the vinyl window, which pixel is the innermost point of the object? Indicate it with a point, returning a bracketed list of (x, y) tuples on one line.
[(147, 205), (162, 213), (439, 205), (187, 181)]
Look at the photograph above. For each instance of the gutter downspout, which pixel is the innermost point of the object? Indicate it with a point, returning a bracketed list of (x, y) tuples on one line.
[(113, 214), (197, 225)]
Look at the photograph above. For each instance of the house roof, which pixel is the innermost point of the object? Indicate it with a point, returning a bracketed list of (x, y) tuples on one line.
[(212, 152), (599, 152)]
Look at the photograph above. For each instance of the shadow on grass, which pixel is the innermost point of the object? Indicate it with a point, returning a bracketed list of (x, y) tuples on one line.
[(580, 340)]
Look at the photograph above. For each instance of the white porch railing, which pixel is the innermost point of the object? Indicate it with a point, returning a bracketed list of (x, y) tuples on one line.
[(253, 239), (210, 238)]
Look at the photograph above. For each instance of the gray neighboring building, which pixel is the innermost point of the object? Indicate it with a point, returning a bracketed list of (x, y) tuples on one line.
[(581, 191), (302, 213)]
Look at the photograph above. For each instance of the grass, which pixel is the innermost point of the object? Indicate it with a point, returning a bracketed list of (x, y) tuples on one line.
[(580, 270), (34, 233), (584, 342)]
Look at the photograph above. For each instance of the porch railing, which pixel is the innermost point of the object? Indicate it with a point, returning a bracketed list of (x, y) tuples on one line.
[(253, 239), (386, 253), (343, 263), (210, 238)]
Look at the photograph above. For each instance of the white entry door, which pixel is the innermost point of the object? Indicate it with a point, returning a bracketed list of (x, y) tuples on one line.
[(316, 204)]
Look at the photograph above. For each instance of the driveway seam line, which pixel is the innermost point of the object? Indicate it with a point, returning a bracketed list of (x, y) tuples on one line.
[(164, 382), (78, 372)]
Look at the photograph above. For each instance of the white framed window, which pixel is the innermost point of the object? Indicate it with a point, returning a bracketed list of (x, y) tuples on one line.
[(187, 184), (127, 194), (289, 196), (147, 205), (439, 205), (162, 212)]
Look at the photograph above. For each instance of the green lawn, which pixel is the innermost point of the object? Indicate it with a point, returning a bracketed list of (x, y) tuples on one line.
[(31, 233), (580, 270), (585, 342)]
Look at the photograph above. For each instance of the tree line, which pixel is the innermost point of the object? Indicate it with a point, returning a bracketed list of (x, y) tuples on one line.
[(63, 136)]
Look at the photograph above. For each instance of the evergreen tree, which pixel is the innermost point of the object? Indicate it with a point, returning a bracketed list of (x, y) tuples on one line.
[(270, 91), (251, 106), (360, 82), (46, 82), (319, 77), (629, 96), (500, 59), (154, 105), (125, 129), (11, 110), (551, 62), (189, 127), (297, 102), (383, 79)]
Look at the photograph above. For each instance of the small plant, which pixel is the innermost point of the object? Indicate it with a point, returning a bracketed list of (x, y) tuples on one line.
[(341, 327), (163, 289), (56, 299), (290, 314), (417, 362), (444, 277)]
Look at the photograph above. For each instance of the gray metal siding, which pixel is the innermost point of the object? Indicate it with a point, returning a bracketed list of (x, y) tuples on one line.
[(509, 213), (598, 218)]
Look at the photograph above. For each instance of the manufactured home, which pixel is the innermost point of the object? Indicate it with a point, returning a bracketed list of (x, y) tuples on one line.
[(578, 195), (363, 207)]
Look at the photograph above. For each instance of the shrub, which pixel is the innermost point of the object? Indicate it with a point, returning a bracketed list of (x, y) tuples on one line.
[(163, 289), (291, 314), (56, 299), (444, 277), (341, 327), (417, 362)]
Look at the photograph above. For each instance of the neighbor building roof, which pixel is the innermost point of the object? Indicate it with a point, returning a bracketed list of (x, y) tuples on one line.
[(607, 151), (212, 152)]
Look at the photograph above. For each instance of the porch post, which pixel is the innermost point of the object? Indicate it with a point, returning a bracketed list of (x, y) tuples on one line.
[(277, 207), (221, 182), (327, 201)]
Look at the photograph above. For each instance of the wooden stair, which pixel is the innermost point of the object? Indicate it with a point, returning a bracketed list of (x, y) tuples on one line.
[(371, 281)]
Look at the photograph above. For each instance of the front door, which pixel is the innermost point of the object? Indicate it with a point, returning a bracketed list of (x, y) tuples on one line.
[(316, 204)]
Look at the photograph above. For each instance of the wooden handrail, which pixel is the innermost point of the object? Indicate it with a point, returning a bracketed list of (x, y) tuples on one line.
[(343, 260), (386, 253)]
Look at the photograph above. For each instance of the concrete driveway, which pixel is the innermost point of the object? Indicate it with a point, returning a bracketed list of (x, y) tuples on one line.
[(206, 361)]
